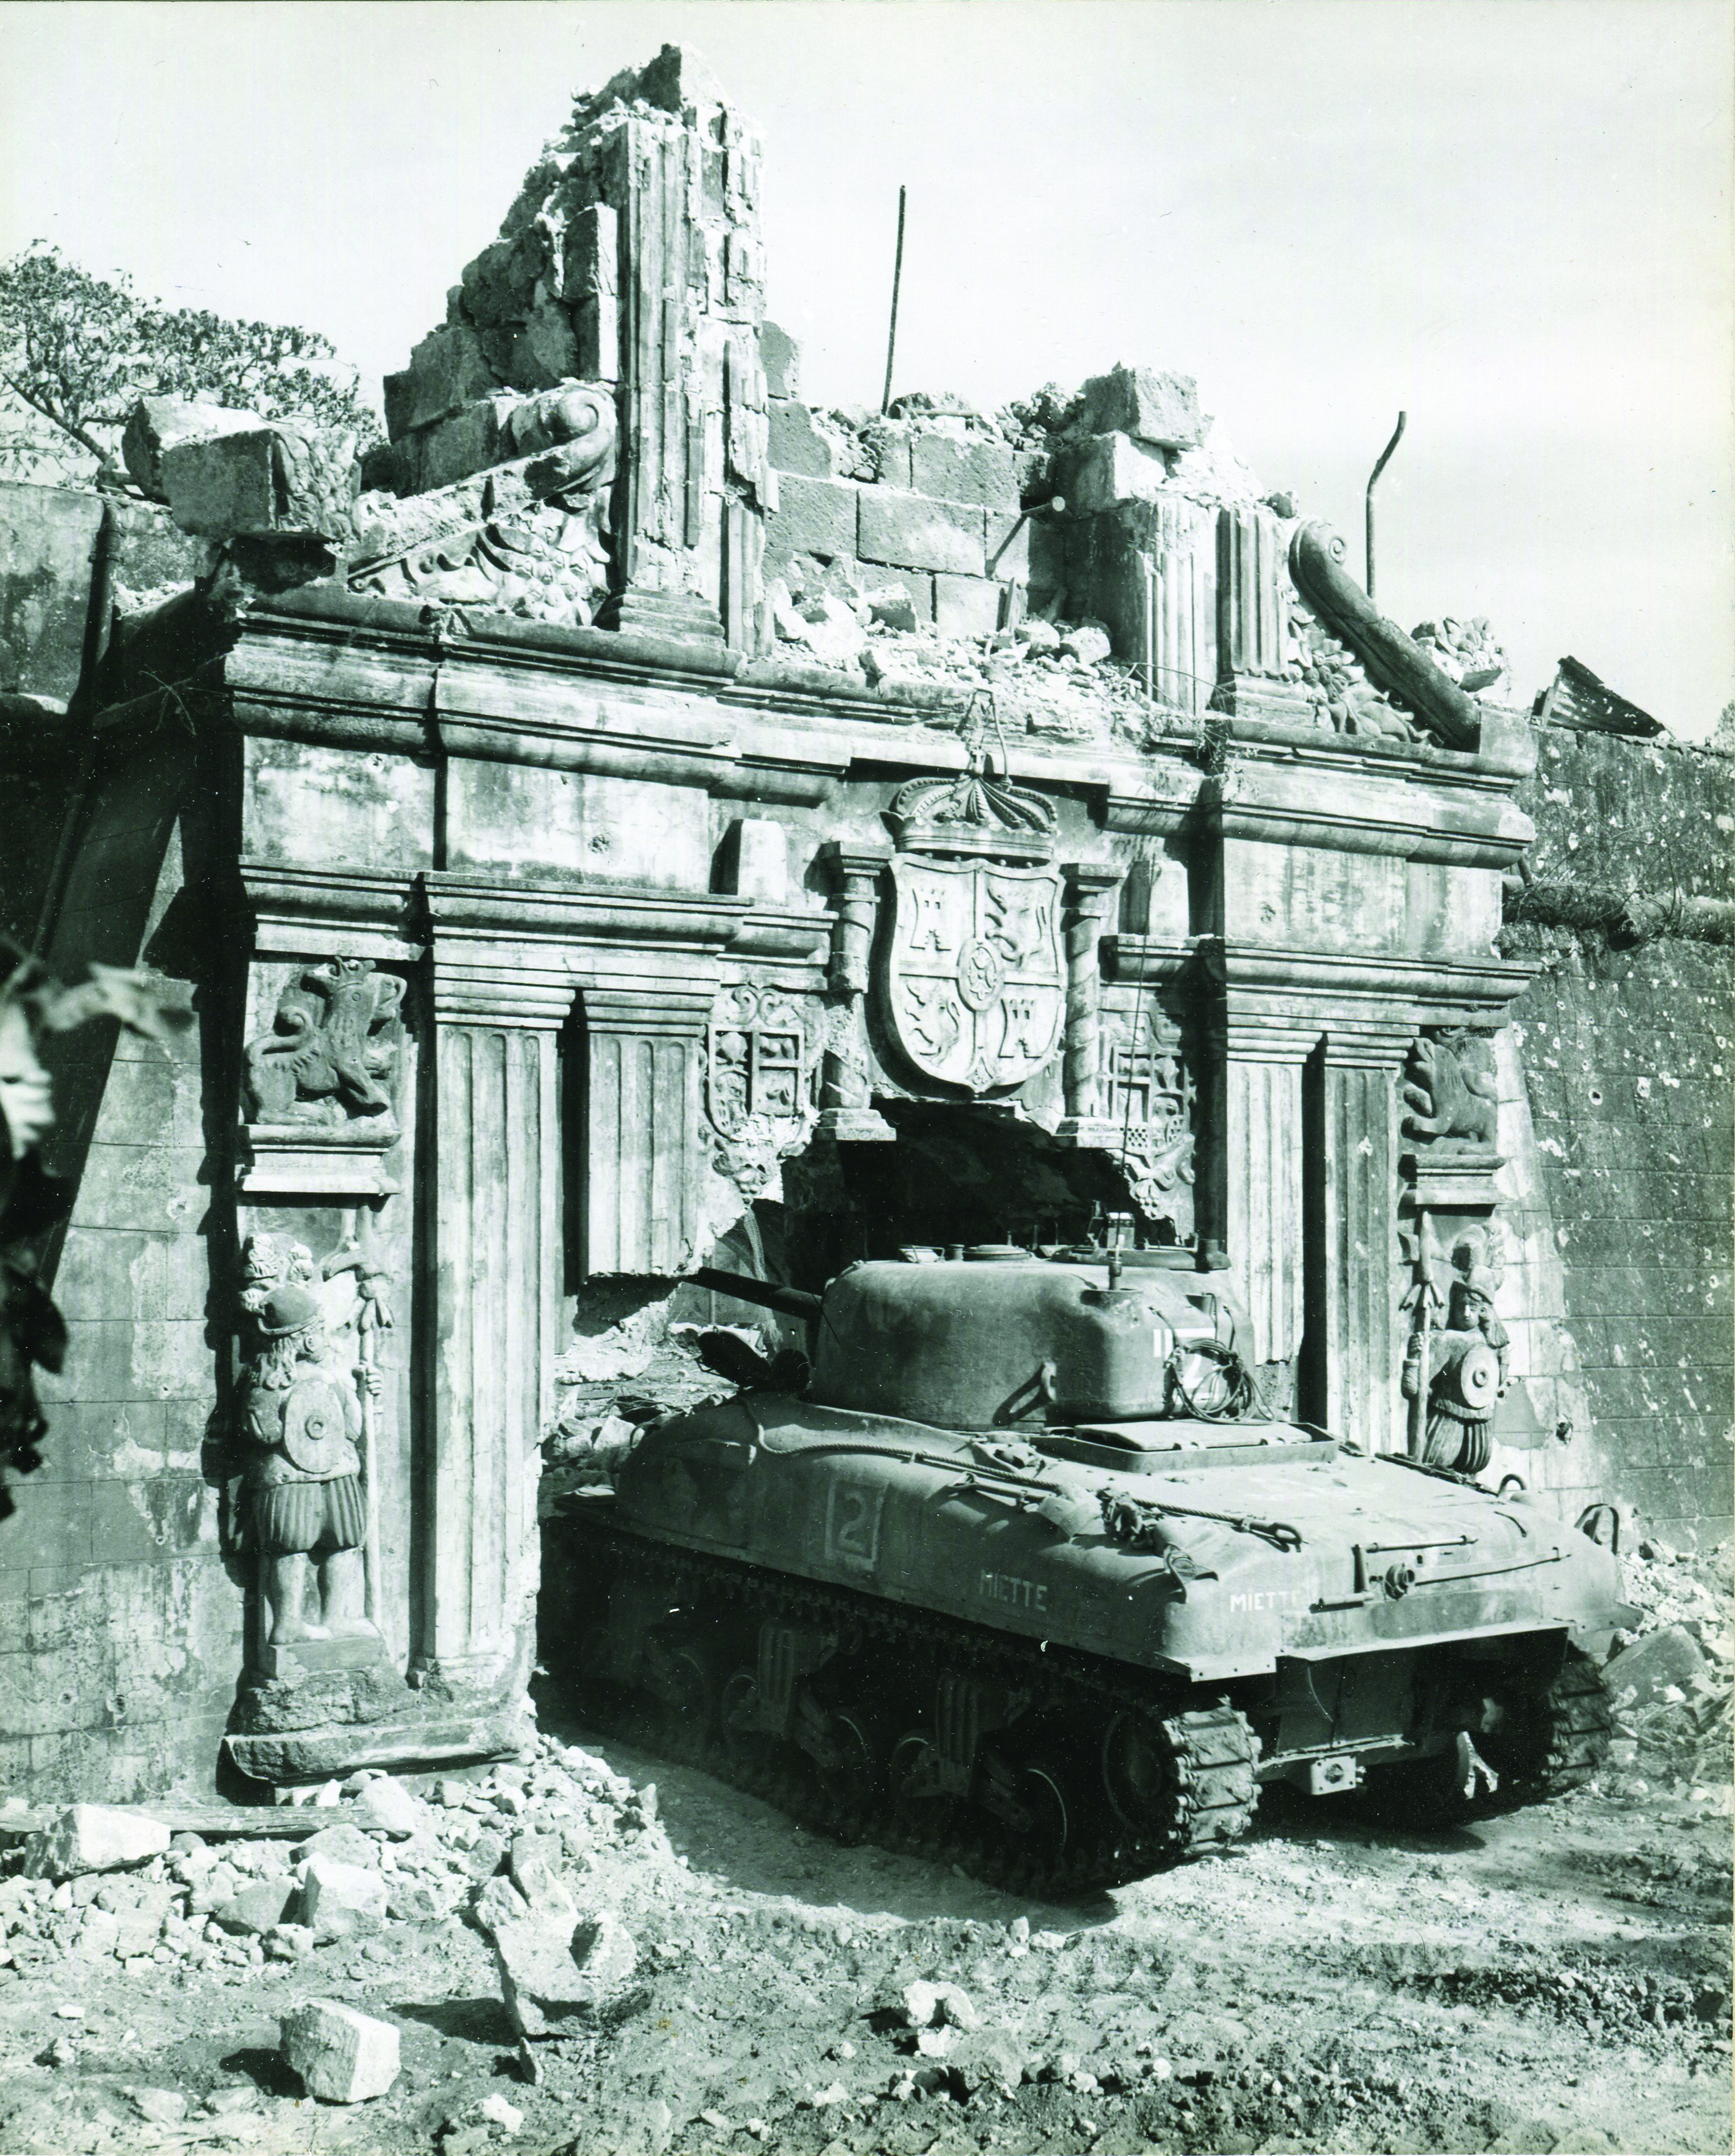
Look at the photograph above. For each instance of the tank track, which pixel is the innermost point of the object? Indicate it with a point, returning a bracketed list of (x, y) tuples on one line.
[(1212, 1750), (1554, 1741), (1565, 1743)]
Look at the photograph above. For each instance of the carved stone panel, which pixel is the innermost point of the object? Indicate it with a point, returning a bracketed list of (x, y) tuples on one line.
[(1147, 1094), (758, 1094), (318, 1086), (975, 988)]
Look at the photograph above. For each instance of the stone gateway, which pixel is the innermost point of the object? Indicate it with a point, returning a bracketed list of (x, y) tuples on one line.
[(633, 817)]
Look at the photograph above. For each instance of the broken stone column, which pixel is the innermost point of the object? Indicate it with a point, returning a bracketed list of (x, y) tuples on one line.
[(631, 258), (1257, 678)]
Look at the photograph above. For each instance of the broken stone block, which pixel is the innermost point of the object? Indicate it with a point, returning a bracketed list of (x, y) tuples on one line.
[(1652, 1664), (1159, 408), (447, 371), (415, 1902), (499, 1901), (469, 2128), (93, 1838), (925, 2005), (554, 1975), (1089, 643), (159, 423), (798, 443), (892, 606), (342, 1844), (990, 2058), (161, 2107), (1113, 468), (257, 1909), (385, 1806), (780, 356), (341, 2056), (452, 449), (966, 606), (279, 478), (828, 627), (289, 1942), (100, 1932), (340, 1899), (963, 471), (907, 531), (535, 1865), (544, 351), (812, 516)]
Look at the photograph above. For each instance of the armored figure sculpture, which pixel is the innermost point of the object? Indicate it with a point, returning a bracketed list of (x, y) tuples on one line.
[(1460, 1371), (299, 1415), (328, 1048)]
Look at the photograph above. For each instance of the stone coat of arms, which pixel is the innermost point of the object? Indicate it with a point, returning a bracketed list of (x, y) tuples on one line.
[(976, 991)]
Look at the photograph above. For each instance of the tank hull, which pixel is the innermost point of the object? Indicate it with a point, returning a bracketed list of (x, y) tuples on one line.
[(1377, 1555), (1095, 1647)]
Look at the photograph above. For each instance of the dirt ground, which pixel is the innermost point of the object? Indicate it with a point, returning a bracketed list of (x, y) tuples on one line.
[(1554, 1980), (1557, 1980)]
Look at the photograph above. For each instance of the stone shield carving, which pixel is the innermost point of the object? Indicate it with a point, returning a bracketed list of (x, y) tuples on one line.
[(975, 986), (756, 1068)]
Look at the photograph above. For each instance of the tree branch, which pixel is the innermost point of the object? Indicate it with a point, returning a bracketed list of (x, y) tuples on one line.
[(54, 419)]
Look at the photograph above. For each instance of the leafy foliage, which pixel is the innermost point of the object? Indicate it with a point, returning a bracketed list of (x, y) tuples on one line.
[(78, 351)]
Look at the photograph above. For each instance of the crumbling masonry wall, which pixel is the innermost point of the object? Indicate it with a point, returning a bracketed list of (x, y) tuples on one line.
[(1623, 1256)]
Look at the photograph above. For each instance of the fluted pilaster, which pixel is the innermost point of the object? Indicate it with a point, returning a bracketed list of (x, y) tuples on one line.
[(493, 1285), (641, 1140), (1352, 1244)]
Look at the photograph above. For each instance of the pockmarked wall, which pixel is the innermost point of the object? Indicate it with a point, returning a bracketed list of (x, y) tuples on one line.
[(1615, 1118)]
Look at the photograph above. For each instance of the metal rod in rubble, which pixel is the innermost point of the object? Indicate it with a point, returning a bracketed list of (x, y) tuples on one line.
[(1384, 459), (897, 279)]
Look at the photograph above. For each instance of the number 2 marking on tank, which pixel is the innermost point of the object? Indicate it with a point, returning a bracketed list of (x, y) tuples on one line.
[(852, 1526)]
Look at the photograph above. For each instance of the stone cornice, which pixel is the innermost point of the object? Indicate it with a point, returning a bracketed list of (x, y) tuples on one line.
[(330, 913), (370, 675), (518, 954)]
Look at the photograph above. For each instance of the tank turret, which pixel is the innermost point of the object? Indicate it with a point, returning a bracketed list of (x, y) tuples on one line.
[(1015, 1560)]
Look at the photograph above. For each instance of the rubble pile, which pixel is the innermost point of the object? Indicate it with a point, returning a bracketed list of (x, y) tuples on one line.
[(1673, 1681), (520, 1956), (361, 1859)]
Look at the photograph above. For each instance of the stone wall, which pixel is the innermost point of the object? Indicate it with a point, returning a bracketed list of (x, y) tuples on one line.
[(924, 502), (118, 1611), (48, 546), (1618, 1133)]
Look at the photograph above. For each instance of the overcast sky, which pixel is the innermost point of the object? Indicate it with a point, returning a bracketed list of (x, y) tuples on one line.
[(1510, 216)]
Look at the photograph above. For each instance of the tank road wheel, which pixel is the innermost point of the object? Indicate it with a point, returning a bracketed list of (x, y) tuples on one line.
[(682, 1680), (1186, 1782), (750, 1749), (919, 1801), (852, 1776), (1027, 1796)]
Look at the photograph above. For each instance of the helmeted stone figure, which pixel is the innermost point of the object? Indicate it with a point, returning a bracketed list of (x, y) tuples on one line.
[(1467, 1372), (300, 1416)]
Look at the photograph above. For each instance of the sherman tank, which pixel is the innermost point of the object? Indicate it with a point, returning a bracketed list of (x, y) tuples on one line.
[(1012, 1567)]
